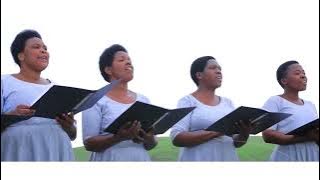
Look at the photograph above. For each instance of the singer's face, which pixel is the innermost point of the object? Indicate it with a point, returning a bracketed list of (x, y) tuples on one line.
[(212, 76), (121, 67), (295, 78), (35, 55)]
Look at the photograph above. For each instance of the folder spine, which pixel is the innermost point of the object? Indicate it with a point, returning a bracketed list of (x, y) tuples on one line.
[(81, 102), (260, 117), (162, 117)]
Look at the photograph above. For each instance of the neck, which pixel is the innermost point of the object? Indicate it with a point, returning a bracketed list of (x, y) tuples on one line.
[(291, 95), (121, 88), (205, 92), (29, 75)]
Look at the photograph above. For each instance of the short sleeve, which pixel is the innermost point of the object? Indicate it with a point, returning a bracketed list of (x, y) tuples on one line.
[(91, 122), (143, 99), (314, 109), (272, 105), (229, 103), (184, 124)]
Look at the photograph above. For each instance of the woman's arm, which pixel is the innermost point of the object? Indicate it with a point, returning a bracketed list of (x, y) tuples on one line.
[(189, 139), (275, 137), (101, 142)]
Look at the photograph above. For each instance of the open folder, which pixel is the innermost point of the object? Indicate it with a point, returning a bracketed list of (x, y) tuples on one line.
[(151, 117), (61, 99), (302, 130), (259, 118)]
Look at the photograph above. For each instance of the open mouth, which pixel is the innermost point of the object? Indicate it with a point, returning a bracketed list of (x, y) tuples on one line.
[(129, 69), (43, 58), (305, 82)]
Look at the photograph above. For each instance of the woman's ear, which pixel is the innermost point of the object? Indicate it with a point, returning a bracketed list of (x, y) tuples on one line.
[(21, 56), (108, 71), (284, 81), (199, 75)]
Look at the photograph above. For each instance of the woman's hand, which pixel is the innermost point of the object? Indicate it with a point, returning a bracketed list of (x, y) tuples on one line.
[(129, 131), (244, 128), (22, 110), (67, 123), (149, 140), (244, 132)]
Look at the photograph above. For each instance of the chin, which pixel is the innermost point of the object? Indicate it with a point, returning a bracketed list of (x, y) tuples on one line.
[(127, 79), (40, 69)]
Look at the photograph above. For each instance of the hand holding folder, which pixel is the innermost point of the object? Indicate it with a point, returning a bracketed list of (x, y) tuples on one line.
[(58, 100), (149, 116), (258, 118)]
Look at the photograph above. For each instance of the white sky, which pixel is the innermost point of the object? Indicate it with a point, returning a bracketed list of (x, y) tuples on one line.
[(249, 38)]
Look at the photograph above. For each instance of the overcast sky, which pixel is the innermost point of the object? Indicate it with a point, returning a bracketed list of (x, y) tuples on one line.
[(249, 38)]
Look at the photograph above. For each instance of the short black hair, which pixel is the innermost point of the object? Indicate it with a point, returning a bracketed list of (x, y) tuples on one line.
[(198, 65), (106, 59), (283, 69), (19, 43)]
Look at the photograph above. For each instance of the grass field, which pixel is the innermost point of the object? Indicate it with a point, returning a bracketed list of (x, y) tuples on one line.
[(255, 150)]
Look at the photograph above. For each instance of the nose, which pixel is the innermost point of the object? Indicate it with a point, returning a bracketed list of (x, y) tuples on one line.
[(43, 50), (128, 62)]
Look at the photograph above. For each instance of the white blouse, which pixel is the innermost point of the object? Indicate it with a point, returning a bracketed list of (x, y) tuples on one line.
[(217, 149)]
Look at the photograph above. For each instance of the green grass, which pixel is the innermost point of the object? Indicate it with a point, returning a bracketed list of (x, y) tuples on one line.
[(255, 150)]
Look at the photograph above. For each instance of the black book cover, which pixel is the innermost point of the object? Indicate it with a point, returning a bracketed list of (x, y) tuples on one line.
[(150, 116), (302, 130), (63, 99), (259, 118)]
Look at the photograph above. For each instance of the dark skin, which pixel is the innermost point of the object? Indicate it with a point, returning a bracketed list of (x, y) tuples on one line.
[(208, 81), (67, 123), (33, 60), (126, 132), (121, 69), (293, 82)]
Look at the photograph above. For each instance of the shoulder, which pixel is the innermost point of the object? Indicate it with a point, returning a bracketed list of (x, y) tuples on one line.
[(274, 99), (226, 100), (142, 98), (187, 100), (8, 81), (309, 103), (5, 77)]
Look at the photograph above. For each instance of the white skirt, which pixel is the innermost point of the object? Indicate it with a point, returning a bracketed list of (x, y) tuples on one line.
[(123, 151), (308, 151), (218, 149), (36, 139)]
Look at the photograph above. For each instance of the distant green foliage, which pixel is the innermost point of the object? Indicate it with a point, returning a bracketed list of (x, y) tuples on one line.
[(255, 150)]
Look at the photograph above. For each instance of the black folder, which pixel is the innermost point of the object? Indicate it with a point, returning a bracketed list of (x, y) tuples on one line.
[(58, 100), (259, 118), (302, 130), (150, 116), (63, 99)]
